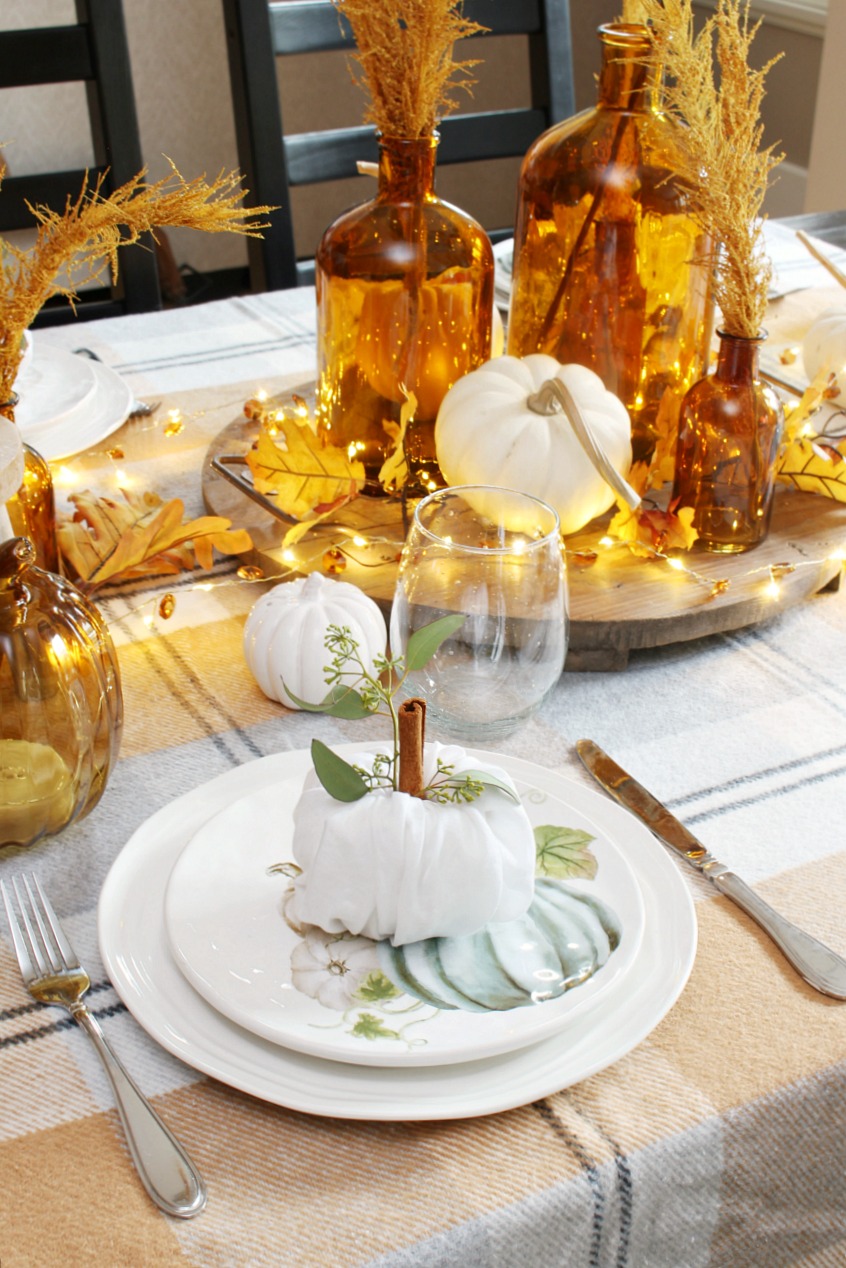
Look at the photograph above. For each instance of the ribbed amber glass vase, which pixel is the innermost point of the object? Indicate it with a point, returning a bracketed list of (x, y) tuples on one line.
[(610, 270), (729, 433), (32, 510), (404, 305)]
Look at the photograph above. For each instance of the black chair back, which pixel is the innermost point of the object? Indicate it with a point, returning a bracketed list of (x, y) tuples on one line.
[(93, 51), (259, 31)]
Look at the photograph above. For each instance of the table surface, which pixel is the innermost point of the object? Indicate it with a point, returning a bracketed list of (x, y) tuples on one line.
[(719, 1140)]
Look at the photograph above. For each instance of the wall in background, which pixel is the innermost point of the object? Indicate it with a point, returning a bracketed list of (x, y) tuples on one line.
[(827, 168), (182, 91)]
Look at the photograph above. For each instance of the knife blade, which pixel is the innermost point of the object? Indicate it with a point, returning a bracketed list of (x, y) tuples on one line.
[(821, 967)]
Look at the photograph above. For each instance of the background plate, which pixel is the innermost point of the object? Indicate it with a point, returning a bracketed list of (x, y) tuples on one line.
[(69, 403)]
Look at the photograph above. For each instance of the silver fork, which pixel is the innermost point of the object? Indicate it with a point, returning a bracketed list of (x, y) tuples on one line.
[(53, 974)]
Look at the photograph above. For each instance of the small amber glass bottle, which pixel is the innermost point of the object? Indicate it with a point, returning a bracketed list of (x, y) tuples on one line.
[(729, 433), (32, 510), (610, 269), (404, 305)]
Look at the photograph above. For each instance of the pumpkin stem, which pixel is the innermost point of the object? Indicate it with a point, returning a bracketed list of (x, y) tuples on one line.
[(411, 716), (554, 397)]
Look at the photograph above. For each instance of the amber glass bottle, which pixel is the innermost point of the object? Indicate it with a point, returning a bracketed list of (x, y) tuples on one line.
[(610, 270), (404, 304), (32, 510), (729, 433)]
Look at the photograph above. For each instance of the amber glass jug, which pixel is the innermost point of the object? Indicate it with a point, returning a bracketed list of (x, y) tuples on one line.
[(610, 270), (61, 709), (404, 305), (729, 433)]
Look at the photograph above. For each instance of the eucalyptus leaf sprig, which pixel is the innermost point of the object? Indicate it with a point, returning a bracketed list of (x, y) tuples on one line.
[(356, 692)]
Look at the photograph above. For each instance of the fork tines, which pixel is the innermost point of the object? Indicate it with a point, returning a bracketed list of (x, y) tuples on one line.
[(39, 941)]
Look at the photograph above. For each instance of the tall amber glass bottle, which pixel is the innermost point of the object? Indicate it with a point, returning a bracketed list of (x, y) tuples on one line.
[(32, 510), (404, 305), (729, 433), (610, 270)]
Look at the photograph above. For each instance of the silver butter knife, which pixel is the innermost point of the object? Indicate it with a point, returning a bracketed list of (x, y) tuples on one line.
[(821, 967)]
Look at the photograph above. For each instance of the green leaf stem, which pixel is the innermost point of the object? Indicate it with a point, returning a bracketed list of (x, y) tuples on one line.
[(340, 780), (425, 642)]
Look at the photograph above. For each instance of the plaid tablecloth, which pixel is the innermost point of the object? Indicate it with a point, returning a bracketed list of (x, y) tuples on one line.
[(720, 1140)]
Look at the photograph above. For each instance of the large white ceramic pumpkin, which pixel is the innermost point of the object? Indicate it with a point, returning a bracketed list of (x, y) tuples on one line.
[(285, 635), (395, 866), (824, 346), (500, 425)]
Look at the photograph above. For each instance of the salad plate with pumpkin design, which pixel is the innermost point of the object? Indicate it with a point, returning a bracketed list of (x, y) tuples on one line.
[(237, 935)]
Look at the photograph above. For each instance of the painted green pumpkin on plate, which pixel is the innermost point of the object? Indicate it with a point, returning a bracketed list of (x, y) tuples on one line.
[(562, 940)]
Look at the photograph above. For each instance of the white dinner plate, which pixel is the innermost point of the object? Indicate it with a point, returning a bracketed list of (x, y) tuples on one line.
[(135, 952), (68, 403), (228, 935)]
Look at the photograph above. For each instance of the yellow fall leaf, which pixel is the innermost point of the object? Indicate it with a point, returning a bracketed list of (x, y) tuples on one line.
[(663, 465), (812, 398), (809, 466), (297, 531), (307, 475), (394, 470)]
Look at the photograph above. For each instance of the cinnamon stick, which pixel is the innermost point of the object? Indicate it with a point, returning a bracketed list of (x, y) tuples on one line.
[(411, 716)]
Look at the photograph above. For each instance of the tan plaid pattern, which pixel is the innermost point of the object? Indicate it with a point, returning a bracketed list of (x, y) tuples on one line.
[(720, 1141)]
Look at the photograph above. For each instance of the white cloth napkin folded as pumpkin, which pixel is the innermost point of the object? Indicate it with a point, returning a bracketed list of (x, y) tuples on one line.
[(400, 867)]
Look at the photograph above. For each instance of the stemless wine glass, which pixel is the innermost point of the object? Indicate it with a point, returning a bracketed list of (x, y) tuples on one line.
[(496, 556)]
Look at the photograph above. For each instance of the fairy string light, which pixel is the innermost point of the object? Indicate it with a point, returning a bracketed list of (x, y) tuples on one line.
[(337, 546)]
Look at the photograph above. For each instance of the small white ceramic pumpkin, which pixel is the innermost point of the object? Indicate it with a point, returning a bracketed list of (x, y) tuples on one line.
[(285, 635), (395, 866), (499, 426), (824, 346)]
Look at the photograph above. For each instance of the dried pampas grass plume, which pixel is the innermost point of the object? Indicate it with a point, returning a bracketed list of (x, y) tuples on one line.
[(405, 52), (635, 12), (713, 91), (84, 241)]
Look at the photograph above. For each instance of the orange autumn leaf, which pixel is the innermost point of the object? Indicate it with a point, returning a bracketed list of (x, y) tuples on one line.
[(105, 539), (669, 530), (646, 532)]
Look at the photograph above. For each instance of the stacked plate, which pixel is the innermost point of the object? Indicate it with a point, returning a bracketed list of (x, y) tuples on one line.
[(67, 403), (194, 938)]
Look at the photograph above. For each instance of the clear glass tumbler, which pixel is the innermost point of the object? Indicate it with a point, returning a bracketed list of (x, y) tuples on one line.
[(495, 555)]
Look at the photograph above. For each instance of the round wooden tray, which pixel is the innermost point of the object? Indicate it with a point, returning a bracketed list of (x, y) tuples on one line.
[(618, 603)]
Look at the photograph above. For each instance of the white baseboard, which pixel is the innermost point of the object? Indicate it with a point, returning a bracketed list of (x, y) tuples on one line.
[(786, 197)]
